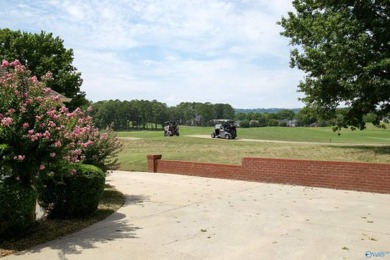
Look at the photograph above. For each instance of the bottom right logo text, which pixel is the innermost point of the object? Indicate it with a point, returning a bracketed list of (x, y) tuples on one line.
[(381, 254)]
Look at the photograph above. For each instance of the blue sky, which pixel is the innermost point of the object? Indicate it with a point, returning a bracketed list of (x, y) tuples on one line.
[(171, 50)]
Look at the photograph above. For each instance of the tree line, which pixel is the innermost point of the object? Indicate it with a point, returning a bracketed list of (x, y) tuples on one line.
[(144, 114), (152, 115)]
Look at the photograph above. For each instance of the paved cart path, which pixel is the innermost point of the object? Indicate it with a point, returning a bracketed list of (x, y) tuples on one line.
[(386, 143), (170, 216)]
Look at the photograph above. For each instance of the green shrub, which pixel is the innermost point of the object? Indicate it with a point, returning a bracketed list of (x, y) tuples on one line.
[(17, 211), (283, 124), (3, 148), (273, 122), (244, 124), (5, 169), (254, 123), (75, 192)]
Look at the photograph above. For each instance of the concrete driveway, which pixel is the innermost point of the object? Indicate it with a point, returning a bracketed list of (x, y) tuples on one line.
[(179, 217)]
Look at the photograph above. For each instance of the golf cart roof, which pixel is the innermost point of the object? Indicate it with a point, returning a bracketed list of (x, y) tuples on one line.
[(216, 121)]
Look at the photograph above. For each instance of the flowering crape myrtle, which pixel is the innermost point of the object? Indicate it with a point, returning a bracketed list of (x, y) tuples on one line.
[(38, 133), (89, 145)]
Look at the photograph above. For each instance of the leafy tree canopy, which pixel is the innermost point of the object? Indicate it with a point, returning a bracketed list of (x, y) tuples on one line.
[(42, 53), (343, 46)]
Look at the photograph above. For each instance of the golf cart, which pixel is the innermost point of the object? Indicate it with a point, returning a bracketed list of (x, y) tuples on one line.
[(171, 128), (225, 129)]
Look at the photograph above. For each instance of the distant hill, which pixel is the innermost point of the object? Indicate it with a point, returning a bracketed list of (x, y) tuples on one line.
[(264, 110)]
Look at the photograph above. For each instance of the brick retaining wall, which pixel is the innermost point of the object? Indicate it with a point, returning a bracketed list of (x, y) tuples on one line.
[(370, 177)]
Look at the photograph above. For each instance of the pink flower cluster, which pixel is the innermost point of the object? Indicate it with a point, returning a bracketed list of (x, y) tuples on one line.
[(20, 157), (44, 126), (6, 121), (5, 64)]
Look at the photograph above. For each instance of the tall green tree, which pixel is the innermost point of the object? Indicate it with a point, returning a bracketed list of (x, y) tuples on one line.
[(285, 114), (41, 53), (206, 111), (343, 46), (228, 111), (159, 113), (185, 112), (306, 116)]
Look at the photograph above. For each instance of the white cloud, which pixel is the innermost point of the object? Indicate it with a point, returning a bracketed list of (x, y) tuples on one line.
[(171, 51)]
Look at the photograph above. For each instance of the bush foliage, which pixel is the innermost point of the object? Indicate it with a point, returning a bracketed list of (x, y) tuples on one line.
[(42, 141), (17, 206), (75, 192)]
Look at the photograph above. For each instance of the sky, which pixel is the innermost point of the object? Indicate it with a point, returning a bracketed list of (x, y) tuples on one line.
[(172, 51)]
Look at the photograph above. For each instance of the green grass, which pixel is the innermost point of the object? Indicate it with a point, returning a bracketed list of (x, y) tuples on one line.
[(49, 229), (370, 145), (371, 135)]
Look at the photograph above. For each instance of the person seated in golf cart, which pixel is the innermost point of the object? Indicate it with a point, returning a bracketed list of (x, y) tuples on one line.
[(171, 128)]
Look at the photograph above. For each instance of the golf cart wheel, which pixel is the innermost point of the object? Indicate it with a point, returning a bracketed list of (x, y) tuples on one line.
[(213, 135), (227, 136)]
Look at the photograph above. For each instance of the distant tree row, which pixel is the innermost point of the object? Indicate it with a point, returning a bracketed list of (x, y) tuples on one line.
[(258, 119), (264, 110), (144, 114), (303, 117)]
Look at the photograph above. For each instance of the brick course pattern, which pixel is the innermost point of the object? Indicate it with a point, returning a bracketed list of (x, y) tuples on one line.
[(369, 177)]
